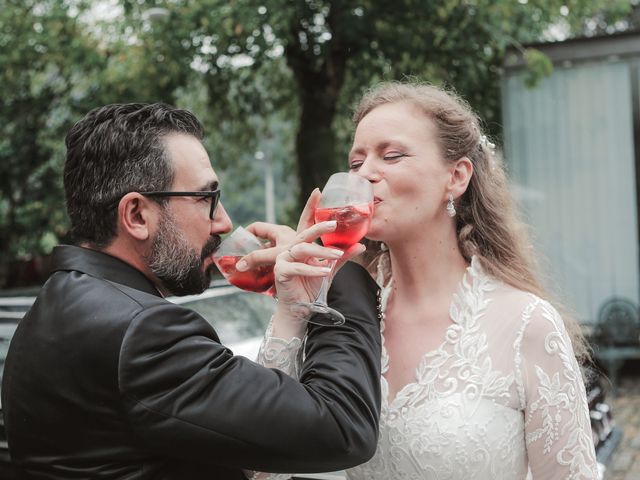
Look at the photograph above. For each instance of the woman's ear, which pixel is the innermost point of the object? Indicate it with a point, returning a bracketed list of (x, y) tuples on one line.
[(461, 173), (137, 216)]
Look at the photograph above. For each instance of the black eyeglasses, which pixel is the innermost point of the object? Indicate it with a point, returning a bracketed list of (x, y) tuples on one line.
[(213, 195)]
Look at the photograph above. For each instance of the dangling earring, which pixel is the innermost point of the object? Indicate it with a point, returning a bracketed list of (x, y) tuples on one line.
[(451, 209), (383, 247)]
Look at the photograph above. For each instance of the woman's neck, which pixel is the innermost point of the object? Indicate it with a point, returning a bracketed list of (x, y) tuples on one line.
[(429, 266)]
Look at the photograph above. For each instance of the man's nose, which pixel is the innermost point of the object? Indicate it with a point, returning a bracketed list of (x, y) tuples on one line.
[(221, 222)]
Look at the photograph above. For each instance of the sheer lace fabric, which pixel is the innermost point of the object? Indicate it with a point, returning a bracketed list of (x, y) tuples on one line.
[(502, 397)]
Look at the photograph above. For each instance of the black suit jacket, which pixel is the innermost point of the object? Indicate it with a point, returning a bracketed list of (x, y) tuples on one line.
[(106, 379)]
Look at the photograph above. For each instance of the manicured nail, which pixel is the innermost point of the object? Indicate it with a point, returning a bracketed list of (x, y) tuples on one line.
[(331, 223), (336, 253), (241, 266), (325, 269)]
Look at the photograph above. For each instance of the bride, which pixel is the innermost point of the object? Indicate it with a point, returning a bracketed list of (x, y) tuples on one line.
[(479, 372)]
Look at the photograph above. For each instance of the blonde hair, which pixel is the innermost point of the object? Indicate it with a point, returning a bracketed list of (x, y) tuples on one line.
[(486, 222)]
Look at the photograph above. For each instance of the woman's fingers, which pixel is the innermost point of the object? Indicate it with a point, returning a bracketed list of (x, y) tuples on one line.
[(258, 258), (267, 256), (283, 272), (276, 234), (308, 213), (301, 252), (316, 231)]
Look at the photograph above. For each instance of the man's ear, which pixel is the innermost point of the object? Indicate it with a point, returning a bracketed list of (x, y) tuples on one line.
[(460, 177), (137, 216)]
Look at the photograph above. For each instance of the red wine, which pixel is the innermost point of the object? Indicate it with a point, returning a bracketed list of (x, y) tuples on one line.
[(353, 223), (257, 280)]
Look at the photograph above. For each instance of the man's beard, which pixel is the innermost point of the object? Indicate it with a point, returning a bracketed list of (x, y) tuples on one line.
[(175, 263)]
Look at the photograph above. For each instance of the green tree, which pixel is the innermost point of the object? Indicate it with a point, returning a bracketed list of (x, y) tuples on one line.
[(277, 76), (45, 69), (314, 57)]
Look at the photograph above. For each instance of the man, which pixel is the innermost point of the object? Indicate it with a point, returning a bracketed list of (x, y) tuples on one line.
[(106, 379)]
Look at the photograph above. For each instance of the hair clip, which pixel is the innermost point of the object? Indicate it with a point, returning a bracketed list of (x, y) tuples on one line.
[(484, 141)]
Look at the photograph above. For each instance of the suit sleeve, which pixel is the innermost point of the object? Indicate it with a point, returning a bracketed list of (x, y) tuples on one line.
[(188, 396)]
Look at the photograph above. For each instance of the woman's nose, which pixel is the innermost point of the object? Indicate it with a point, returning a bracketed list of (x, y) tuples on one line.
[(369, 171)]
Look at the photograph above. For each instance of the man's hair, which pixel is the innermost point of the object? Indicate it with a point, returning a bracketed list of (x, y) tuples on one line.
[(114, 150)]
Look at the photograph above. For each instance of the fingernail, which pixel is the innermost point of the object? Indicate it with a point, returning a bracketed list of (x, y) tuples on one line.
[(241, 266), (326, 269), (331, 223), (337, 253)]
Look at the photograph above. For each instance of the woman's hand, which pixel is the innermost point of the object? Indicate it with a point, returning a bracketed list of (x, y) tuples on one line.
[(280, 236), (299, 270), (300, 264)]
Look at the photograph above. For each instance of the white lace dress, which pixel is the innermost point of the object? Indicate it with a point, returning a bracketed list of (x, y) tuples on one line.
[(501, 398)]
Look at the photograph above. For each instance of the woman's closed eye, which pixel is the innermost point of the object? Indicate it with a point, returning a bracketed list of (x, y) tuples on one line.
[(395, 155), (388, 157), (355, 164)]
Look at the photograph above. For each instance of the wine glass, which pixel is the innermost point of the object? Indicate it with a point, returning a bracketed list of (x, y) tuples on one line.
[(240, 243), (348, 199)]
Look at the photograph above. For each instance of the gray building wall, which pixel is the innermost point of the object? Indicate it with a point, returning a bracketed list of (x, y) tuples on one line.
[(569, 149)]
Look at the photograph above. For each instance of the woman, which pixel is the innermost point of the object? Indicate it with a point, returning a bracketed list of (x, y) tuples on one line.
[(479, 372)]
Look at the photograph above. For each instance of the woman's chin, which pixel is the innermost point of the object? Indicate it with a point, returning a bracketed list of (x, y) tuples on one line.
[(374, 235)]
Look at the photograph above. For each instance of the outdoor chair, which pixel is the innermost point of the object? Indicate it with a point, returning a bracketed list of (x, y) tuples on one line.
[(616, 337)]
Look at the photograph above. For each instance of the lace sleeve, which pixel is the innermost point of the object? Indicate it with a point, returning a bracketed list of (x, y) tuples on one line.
[(280, 353), (552, 394), (286, 356)]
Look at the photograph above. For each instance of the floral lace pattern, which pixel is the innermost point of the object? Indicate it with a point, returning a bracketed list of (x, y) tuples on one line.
[(501, 398), (279, 353)]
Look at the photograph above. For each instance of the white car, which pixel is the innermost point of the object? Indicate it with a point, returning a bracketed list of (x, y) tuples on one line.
[(239, 317)]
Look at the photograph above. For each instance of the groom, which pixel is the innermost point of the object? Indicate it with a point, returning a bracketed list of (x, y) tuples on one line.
[(106, 379)]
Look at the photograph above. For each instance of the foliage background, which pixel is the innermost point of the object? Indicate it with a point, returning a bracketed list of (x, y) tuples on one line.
[(268, 78)]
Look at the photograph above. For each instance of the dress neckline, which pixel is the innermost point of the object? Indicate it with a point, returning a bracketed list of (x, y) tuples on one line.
[(474, 282)]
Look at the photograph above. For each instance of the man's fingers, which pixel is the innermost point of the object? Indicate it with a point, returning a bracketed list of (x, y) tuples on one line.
[(307, 216)]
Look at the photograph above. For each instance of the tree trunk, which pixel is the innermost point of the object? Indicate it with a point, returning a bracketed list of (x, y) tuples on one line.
[(319, 78), (315, 141)]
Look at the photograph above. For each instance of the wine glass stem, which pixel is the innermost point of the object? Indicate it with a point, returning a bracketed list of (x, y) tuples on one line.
[(321, 299)]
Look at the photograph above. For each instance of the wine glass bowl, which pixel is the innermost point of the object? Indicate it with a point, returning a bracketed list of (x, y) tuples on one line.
[(352, 224), (235, 246), (348, 199)]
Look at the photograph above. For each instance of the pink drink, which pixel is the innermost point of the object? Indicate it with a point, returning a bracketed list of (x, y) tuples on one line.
[(256, 280), (353, 223)]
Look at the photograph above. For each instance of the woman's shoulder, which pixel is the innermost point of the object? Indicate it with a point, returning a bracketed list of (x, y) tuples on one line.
[(525, 310), (534, 318)]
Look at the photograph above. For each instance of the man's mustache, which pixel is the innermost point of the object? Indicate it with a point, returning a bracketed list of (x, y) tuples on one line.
[(211, 246)]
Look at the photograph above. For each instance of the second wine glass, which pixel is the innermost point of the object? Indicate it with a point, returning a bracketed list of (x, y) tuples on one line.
[(348, 199), (240, 243)]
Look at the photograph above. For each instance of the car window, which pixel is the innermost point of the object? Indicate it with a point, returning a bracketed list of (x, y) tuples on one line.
[(236, 315)]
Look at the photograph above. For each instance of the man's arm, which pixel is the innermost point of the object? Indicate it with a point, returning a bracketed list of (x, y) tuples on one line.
[(188, 396)]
